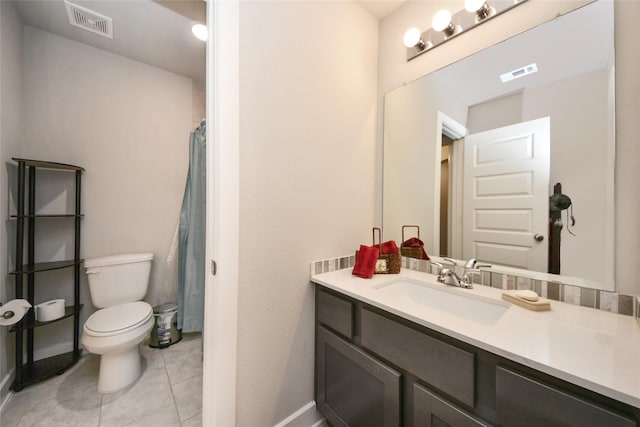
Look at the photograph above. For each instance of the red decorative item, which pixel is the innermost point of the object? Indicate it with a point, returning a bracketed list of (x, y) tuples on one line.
[(366, 259), (413, 247)]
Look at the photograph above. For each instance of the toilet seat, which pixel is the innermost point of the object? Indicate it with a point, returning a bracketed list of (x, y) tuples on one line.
[(118, 319)]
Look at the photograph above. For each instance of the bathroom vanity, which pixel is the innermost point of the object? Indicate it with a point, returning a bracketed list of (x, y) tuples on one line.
[(406, 350)]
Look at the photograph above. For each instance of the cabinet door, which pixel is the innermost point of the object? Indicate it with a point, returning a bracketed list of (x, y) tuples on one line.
[(335, 313), (353, 388), (431, 410), (523, 401), (443, 366)]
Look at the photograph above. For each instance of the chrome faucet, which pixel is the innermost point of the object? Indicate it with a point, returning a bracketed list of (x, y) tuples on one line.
[(473, 263), (449, 277), (451, 261)]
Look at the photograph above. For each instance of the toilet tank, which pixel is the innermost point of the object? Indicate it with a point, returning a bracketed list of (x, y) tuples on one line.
[(118, 279)]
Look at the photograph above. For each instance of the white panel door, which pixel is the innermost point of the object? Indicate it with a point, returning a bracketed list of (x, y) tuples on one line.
[(506, 195)]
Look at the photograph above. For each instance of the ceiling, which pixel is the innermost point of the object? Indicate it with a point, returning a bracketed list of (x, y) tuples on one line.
[(157, 33), (381, 8)]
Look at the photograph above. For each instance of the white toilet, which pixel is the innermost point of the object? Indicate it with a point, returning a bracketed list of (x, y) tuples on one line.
[(117, 285)]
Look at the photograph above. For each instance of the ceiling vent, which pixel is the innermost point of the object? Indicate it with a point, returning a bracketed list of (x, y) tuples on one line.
[(520, 72), (89, 20)]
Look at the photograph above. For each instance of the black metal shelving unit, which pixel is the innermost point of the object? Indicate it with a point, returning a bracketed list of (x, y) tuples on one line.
[(29, 371)]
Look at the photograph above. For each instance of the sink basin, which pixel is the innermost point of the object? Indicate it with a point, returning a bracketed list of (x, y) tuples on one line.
[(449, 300)]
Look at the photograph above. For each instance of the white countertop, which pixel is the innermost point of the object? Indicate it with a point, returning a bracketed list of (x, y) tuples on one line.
[(591, 348)]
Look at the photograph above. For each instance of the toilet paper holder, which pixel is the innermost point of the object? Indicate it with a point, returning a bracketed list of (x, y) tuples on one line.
[(12, 312), (7, 314)]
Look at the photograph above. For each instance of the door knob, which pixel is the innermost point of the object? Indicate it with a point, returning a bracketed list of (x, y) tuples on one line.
[(538, 237)]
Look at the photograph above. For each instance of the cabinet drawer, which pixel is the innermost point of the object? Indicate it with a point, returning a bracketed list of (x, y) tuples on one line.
[(352, 388), (431, 410), (523, 401), (335, 313), (445, 367)]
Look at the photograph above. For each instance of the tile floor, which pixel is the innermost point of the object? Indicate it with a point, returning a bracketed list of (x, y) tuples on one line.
[(169, 393)]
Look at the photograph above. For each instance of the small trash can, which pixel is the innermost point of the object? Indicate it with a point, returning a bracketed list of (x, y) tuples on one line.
[(165, 331)]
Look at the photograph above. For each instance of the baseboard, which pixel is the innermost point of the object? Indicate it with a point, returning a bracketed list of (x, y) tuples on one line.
[(5, 393), (307, 416)]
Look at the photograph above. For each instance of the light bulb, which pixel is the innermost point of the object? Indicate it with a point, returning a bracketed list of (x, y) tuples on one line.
[(412, 37), (441, 20), (480, 8), (473, 5), (200, 31)]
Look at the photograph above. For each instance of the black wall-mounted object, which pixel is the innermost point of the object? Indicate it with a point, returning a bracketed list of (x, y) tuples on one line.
[(558, 202), (555, 230)]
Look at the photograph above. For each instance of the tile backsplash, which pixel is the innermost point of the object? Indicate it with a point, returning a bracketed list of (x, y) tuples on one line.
[(628, 305)]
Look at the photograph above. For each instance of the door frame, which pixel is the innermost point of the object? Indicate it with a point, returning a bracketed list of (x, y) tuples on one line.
[(457, 132), (220, 334)]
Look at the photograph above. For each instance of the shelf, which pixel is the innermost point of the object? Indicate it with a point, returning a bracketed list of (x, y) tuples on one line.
[(48, 216), (46, 368), (48, 165), (29, 321), (45, 266), (23, 218)]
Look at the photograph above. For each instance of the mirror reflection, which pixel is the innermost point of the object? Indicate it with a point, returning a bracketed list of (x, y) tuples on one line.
[(508, 155)]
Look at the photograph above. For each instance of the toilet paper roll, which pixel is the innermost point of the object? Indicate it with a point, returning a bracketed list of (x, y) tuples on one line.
[(13, 311), (50, 310)]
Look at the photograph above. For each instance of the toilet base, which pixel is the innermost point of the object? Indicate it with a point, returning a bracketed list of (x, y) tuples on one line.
[(119, 370)]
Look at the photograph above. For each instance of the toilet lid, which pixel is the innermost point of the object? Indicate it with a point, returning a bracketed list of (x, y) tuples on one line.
[(119, 317)]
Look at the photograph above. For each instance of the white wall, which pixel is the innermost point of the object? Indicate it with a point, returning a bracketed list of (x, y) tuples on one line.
[(394, 70), (412, 132), (583, 169), (10, 126), (128, 125), (627, 203), (495, 113), (199, 108), (307, 155)]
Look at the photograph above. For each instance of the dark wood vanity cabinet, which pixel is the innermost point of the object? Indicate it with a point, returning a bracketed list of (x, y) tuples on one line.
[(374, 368), (431, 410), (355, 389), (525, 401)]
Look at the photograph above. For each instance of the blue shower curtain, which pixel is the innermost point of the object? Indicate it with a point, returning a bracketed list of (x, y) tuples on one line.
[(191, 249)]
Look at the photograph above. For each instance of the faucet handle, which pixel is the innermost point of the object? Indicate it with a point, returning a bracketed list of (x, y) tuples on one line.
[(478, 266), (437, 264), (473, 263), (450, 260), (471, 271)]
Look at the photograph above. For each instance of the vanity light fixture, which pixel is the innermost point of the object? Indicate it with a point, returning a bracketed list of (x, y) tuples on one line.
[(200, 31), (442, 22), (446, 25), (413, 38), (480, 7)]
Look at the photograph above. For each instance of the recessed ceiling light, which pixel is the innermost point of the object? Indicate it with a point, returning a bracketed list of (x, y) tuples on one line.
[(200, 31), (520, 72)]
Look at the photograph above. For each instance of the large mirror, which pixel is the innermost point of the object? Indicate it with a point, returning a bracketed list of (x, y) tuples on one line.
[(518, 174)]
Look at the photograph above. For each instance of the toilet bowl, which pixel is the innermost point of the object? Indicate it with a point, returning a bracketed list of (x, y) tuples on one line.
[(114, 333), (122, 321)]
